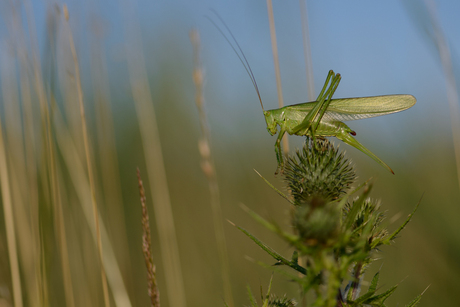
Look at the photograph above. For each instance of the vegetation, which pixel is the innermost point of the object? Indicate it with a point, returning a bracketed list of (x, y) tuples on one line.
[(335, 235)]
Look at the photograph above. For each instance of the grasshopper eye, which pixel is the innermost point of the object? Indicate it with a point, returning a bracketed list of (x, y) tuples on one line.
[(352, 133)]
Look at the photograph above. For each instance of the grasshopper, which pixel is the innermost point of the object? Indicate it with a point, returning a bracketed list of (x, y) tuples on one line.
[(323, 117)]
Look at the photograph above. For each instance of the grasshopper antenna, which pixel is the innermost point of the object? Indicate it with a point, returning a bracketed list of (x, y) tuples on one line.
[(240, 57)]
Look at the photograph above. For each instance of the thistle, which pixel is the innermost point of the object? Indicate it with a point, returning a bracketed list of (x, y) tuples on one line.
[(335, 234), (317, 176), (318, 171)]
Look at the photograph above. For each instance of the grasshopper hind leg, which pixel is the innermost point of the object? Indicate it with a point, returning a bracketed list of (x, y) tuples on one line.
[(313, 118), (346, 137)]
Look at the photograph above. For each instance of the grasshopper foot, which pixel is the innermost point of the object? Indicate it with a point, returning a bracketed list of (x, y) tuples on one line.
[(280, 169)]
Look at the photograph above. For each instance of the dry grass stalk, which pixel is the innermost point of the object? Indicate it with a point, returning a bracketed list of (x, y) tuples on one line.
[(154, 294), (451, 83), (151, 143), (106, 149), (276, 62), (9, 223), (31, 268), (88, 159), (307, 50), (207, 165), (80, 182), (54, 174)]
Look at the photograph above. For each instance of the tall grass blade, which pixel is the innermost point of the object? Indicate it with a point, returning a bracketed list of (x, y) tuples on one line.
[(307, 50), (153, 155), (209, 169), (79, 179), (88, 157), (431, 28), (46, 164), (31, 258), (9, 223), (107, 151), (279, 88)]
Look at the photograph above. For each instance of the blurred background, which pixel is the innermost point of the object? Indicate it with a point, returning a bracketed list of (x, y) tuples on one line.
[(131, 63)]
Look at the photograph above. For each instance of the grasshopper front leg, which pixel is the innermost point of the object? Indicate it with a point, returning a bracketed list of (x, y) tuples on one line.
[(279, 154)]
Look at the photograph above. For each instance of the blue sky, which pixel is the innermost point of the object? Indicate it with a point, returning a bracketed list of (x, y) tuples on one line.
[(378, 47)]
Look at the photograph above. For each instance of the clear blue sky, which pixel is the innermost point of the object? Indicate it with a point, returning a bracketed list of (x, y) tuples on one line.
[(377, 46)]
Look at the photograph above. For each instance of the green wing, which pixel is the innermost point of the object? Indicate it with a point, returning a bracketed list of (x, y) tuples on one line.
[(362, 107)]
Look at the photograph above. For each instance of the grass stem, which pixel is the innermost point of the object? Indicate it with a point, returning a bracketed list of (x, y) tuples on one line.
[(88, 158)]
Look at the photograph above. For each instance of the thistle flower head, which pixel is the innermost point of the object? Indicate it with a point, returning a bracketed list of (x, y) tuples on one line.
[(318, 170), (317, 176)]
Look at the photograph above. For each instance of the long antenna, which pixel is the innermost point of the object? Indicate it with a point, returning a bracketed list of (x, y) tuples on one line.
[(240, 57)]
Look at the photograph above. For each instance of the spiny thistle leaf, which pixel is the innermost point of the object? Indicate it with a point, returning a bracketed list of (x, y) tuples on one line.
[(374, 283), (280, 259), (393, 235), (371, 291), (380, 299), (252, 299), (416, 300), (355, 208), (363, 218), (281, 302), (266, 300)]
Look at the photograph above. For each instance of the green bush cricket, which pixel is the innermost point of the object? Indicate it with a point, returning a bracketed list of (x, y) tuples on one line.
[(323, 117)]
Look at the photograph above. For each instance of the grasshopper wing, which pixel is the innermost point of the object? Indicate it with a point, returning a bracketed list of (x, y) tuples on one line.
[(366, 107)]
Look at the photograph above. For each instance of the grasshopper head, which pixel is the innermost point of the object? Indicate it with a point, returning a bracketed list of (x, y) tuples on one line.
[(271, 122)]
